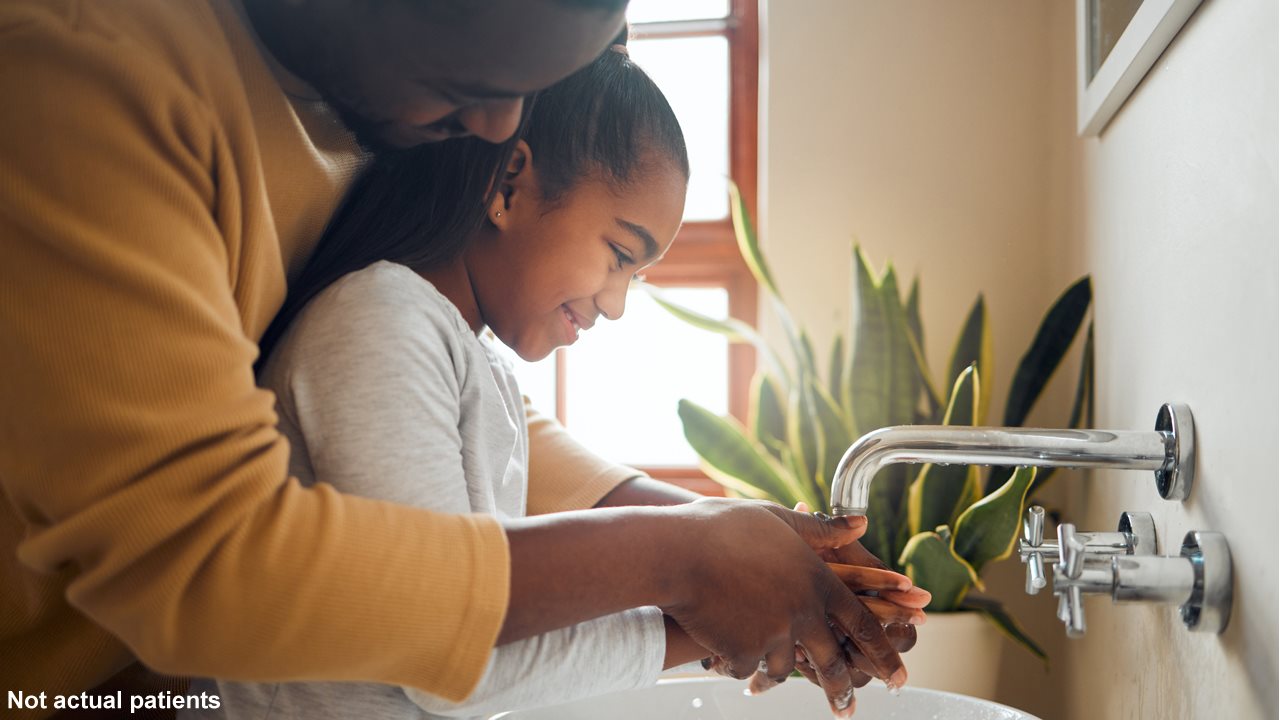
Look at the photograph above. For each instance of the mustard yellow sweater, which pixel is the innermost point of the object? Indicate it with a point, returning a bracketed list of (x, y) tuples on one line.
[(158, 184)]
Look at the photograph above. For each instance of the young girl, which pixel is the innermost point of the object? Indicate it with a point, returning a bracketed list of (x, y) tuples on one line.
[(387, 387)]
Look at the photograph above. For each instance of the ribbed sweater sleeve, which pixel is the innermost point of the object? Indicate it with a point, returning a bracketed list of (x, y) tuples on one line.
[(133, 443)]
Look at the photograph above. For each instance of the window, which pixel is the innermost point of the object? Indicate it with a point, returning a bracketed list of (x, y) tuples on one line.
[(703, 54)]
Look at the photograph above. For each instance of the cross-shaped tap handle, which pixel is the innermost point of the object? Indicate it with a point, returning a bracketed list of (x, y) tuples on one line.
[(1029, 548), (1072, 551), (1071, 610)]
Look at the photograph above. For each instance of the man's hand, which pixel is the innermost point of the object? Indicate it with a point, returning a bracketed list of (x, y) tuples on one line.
[(889, 595), (760, 589)]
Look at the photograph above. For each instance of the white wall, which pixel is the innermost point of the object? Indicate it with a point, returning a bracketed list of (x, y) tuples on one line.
[(919, 127), (1180, 233), (941, 135)]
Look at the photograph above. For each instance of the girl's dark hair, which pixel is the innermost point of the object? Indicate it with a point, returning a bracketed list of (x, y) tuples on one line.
[(418, 207)]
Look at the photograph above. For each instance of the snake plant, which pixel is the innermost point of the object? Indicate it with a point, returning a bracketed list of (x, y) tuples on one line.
[(941, 525)]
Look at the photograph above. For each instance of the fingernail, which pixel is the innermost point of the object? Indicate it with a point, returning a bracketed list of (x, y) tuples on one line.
[(822, 516), (919, 619), (897, 680)]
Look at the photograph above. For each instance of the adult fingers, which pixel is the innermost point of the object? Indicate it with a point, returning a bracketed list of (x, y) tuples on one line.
[(854, 554), (916, 597), (831, 669), (804, 666), (774, 669), (739, 668), (901, 637), (859, 578), (778, 663), (863, 628), (760, 683), (856, 677), (887, 612), (819, 531)]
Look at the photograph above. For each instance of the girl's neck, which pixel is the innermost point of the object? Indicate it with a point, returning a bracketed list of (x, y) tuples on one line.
[(454, 282)]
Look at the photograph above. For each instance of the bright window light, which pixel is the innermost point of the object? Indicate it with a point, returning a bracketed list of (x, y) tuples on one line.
[(694, 75)]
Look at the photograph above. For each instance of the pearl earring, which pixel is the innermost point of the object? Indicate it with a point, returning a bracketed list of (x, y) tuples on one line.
[(498, 214)]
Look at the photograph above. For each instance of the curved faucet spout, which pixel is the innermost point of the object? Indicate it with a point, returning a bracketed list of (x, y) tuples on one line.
[(1169, 451)]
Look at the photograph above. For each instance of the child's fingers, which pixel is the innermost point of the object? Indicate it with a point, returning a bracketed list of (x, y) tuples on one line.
[(857, 578), (916, 597), (889, 612)]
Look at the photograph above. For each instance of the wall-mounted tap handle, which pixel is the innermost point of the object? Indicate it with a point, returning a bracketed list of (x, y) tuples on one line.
[(1035, 573), (1071, 549), (1073, 611), (1033, 526), (1032, 540)]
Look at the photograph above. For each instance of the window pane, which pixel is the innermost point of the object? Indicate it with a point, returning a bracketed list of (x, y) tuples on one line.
[(643, 11), (625, 378), (537, 380), (694, 75)]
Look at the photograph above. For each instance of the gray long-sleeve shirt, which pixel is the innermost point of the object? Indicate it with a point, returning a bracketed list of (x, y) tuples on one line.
[(384, 391)]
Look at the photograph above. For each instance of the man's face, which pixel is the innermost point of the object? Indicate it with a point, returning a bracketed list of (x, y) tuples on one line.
[(400, 75)]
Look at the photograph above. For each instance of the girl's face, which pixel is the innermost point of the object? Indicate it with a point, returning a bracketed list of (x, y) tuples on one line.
[(541, 272)]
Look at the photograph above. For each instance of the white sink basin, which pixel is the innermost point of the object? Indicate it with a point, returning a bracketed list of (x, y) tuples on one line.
[(797, 699)]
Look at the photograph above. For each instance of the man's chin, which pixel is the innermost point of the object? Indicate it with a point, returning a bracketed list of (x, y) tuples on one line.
[(374, 137)]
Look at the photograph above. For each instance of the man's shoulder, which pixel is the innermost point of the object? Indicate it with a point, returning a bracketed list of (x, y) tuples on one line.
[(151, 44), (159, 26)]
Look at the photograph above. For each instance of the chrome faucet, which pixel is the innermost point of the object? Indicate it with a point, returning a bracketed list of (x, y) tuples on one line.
[(1169, 451)]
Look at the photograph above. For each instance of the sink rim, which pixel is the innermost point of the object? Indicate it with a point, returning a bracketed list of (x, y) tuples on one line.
[(908, 690)]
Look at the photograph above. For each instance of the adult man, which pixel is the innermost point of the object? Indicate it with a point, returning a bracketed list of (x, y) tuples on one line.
[(166, 167)]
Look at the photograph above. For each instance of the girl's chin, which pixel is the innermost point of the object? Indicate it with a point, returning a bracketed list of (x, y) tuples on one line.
[(533, 355)]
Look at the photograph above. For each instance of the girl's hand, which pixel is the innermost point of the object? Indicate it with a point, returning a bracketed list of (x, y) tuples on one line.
[(890, 596), (760, 590)]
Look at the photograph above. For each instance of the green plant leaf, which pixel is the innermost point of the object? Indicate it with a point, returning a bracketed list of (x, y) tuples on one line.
[(835, 437), (835, 364), (882, 382), (767, 416), (867, 381), (802, 439), (886, 505), (940, 492), (732, 328), (931, 564), (749, 248), (733, 459), (973, 347), (904, 389), (748, 244), (916, 341), (1081, 406), (996, 613), (1051, 342), (987, 530), (914, 322)]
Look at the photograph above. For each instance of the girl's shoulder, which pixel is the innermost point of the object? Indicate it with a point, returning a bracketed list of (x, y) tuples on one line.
[(384, 311), (390, 296)]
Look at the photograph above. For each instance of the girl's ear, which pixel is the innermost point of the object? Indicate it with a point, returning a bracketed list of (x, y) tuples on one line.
[(515, 184)]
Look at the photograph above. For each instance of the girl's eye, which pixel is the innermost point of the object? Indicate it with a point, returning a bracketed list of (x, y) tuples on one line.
[(622, 257)]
